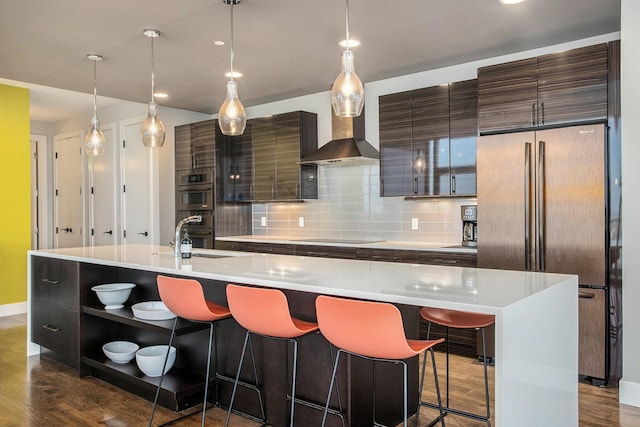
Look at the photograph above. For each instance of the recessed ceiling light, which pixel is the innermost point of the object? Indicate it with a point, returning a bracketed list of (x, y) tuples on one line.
[(161, 95), (220, 42), (236, 74), (511, 1), (352, 43)]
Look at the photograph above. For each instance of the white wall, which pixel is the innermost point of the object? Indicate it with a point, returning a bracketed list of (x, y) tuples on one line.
[(171, 117), (630, 93)]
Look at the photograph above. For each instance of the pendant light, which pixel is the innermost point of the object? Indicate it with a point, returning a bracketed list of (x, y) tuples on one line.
[(94, 141), (232, 118), (152, 132), (347, 92)]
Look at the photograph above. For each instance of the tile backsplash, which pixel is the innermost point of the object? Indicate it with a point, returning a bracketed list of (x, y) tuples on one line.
[(349, 206)]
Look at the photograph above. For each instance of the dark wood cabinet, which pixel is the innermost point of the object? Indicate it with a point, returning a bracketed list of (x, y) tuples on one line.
[(279, 142), (561, 88), (388, 255), (55, 308), (195, 145), (234, 167), (428, 141)]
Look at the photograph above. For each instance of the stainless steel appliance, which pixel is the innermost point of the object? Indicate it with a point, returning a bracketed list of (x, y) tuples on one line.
[(469, 216), (195, 196), (542, 207)]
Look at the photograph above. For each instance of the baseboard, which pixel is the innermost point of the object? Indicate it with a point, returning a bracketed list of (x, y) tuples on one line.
[(629, 393), (13, 309)]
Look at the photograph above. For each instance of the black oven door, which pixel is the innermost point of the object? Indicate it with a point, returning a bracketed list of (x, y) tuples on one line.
[(194, 197)]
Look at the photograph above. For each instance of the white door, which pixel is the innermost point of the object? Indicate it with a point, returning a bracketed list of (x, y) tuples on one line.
[(68, 179), (103, 206), (136, 185)]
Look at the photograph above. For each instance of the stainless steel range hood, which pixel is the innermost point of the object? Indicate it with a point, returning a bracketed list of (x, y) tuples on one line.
[(346, 146)]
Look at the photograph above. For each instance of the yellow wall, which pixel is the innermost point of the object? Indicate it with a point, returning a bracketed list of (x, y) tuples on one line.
[(15, 189)]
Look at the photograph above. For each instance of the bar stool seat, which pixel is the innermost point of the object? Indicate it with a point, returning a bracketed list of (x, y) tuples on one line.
[(265, 312), (459, 320), (374, 331), (185, 298)]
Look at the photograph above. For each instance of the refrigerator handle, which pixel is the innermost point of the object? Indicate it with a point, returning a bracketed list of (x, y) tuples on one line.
[(527, 206), (540, 208)]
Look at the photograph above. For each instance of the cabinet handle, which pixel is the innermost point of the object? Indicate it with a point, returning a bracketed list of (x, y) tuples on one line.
[(453, 182), (542, 113), (394, 258), (445, 261), (533, 114), (51, 328), (51, 282), (317, 253), (586, 295), (415, 185)]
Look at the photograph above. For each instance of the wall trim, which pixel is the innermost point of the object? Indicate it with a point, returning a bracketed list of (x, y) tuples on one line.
[(629, 393), (13, 309)]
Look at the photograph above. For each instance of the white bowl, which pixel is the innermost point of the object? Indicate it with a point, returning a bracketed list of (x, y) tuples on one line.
[(120, 351), (151, 359), (113, 295), (152, 310)]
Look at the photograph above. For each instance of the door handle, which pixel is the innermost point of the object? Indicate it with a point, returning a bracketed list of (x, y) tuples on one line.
[(587, 295), (527, 206), (540, 207), (144, 234), (68, 229), (108, 232)]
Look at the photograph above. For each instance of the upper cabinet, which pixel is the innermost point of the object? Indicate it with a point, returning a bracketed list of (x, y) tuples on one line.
[(194, 145), (428, 141), (561, 88), (234, 166), (279, 142)]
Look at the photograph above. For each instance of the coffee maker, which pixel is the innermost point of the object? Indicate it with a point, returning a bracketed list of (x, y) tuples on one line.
[(469, 216)]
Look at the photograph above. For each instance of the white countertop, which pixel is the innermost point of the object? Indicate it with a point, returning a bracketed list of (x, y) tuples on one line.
[(472, 289), (385, 244)]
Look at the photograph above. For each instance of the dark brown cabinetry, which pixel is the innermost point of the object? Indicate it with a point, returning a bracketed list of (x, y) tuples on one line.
[(195, 145), (55, 309), (279, 142), (561, 88), (427, 141), (234, 166)]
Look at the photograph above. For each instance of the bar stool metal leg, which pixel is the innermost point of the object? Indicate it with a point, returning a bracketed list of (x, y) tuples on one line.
[(166, 357)]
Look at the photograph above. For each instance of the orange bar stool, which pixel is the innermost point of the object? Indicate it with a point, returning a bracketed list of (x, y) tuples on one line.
[(460, 320), (185, 298), (265, 312), (374, 331)]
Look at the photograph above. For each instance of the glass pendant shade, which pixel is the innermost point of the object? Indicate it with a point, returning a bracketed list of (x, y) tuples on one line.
[(232, 118), (419, 164), (347, 92), (152, 132), (94, 141)]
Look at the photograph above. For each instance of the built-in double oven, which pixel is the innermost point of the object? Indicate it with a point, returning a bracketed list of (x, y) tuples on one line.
[(195, 196)]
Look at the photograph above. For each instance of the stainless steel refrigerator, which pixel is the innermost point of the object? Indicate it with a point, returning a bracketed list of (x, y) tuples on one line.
[(542, 207)]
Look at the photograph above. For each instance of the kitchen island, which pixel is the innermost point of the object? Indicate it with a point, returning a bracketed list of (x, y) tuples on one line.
[(536, 313)]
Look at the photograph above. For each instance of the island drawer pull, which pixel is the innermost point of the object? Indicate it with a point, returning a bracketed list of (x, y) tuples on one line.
[(588, 295), (51, 328), (51, 282), (395, 258), (317, 253), (446, 261)]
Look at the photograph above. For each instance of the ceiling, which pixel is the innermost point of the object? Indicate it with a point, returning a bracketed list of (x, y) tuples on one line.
[(284, 48)]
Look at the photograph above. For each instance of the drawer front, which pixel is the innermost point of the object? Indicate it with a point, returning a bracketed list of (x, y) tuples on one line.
[(448, 258), (56, 328), (55, 280), (388, 255), (326, 251)]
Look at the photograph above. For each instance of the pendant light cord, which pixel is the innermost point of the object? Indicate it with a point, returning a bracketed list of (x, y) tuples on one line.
[(153, 74), (231, 14), (347, 25), (95, 96)]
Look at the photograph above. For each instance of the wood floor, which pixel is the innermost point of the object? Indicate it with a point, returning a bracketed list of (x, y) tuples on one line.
[(38, 392)]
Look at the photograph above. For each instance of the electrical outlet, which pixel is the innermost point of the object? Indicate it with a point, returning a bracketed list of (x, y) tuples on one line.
[(414, 223), (301, 221), (263, 221)]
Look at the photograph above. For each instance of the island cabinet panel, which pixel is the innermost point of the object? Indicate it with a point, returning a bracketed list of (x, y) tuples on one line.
[(55, 308), (428, 141), (556, 89)]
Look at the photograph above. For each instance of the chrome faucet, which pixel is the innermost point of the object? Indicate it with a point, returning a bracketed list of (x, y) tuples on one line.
[(183, 221)]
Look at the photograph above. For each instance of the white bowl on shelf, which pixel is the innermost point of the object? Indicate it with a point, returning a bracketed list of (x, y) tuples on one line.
[(151, 359), (120, 351), (113, 295), (152, 310)]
